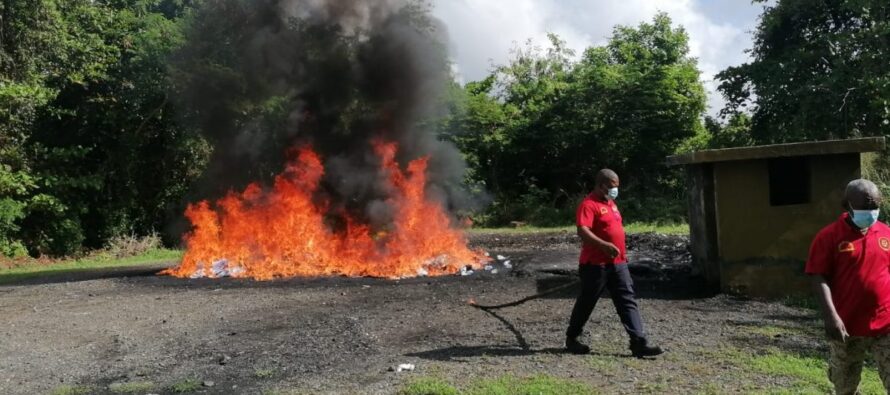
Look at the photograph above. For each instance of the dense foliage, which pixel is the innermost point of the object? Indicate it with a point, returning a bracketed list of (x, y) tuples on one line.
[(819, 71), (90, 146), (536, 131), (94, 143)]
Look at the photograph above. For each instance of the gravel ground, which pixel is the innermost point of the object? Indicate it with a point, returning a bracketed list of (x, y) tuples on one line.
[(341, 335)]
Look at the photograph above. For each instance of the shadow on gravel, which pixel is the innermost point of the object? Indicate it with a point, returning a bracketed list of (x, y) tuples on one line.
[(456, 353), (523, 344), (522, 348), (74, 275)]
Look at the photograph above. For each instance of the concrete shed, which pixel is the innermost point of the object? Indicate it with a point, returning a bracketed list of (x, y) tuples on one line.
[(753, 211)]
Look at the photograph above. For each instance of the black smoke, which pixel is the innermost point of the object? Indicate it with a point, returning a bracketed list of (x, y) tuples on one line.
[(258, 77)]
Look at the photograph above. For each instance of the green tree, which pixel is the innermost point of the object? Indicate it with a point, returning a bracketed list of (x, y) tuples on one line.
[(537, 130), (818, 72), (90, 144), (45, 45), (734, 133)]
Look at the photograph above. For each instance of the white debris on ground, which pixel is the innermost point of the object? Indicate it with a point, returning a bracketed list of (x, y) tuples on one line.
[(199, 272), (219, 268), (492, 267), (224, 268), (405, 367), (439, 261)]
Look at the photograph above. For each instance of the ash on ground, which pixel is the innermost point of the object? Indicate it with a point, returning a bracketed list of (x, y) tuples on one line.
[(650, 255)]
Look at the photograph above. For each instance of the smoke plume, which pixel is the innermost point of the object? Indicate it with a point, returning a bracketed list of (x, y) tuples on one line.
[(259, 77)]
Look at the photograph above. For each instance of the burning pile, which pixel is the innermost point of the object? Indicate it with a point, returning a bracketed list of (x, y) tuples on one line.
[(357, 85), (283, 232)]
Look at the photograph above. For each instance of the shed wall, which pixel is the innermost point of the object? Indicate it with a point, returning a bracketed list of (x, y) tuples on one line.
[(749, 227)]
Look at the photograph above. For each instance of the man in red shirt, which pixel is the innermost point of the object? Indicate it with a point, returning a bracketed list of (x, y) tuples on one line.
[(850, 265), (603, 263)]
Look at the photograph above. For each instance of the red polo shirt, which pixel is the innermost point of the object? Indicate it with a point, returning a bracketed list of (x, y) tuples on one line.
[(857, 267), (603, 218)]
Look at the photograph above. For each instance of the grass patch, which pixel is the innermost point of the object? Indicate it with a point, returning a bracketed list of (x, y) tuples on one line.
[(698, 368), (772, 331), (633, 227), (537, 385), (428, 386), (263, 373), (667, 229), (102, 261), (71, 390), (134, 387), (652, 388), (606, 365), (185, 386), (521, 230), (506, 385), (709, 389), (634, 363), (809, 373)]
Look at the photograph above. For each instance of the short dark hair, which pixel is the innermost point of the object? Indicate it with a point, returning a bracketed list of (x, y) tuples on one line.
[(605, 175)]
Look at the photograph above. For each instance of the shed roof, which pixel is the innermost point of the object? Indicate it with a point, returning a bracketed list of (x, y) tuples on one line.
[(810, 148)]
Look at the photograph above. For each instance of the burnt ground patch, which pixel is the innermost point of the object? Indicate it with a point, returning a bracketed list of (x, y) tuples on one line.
[(336, 335)]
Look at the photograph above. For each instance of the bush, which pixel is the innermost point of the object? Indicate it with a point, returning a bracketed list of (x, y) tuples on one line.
[(10, 212), (51, 228), (538, 208), (535, 207), (124, 246), (876, 167), (13, 186)]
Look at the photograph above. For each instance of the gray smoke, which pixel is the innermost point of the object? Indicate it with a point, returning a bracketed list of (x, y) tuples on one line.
[(262, 76)]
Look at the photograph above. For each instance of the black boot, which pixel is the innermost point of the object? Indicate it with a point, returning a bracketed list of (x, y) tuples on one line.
[(641, 348), (575, 347)]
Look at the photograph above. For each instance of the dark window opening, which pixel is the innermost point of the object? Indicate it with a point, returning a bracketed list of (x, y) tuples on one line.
[(789, 181)]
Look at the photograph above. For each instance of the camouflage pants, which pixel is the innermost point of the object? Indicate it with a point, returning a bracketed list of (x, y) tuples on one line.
[(845, 364)]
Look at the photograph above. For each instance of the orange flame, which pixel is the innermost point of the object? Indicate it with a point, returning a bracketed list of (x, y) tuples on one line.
[(282, 232)]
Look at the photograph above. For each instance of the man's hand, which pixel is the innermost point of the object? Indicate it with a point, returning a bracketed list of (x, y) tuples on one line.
[(835, 329), (834, 325), (610, 249)]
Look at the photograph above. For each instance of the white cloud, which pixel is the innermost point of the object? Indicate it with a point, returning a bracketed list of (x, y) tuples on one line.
[(483, 32)]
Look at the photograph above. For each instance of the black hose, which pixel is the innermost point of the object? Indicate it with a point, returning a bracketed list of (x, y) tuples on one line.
[(525, 299)]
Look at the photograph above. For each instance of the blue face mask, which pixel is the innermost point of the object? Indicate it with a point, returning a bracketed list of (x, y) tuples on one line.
[(864, 218), (613, 193)]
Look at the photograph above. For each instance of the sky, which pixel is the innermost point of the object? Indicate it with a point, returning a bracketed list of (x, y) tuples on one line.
[(482, 32)]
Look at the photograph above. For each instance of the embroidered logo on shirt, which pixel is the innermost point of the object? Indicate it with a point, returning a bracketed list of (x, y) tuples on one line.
[(846, 246), (604, 210), (884, 243)]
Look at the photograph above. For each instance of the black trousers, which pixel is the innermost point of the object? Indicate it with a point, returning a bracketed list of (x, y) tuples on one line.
[(594, 279)]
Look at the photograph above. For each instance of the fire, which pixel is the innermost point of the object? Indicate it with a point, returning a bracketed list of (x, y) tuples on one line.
[(282, 232)]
